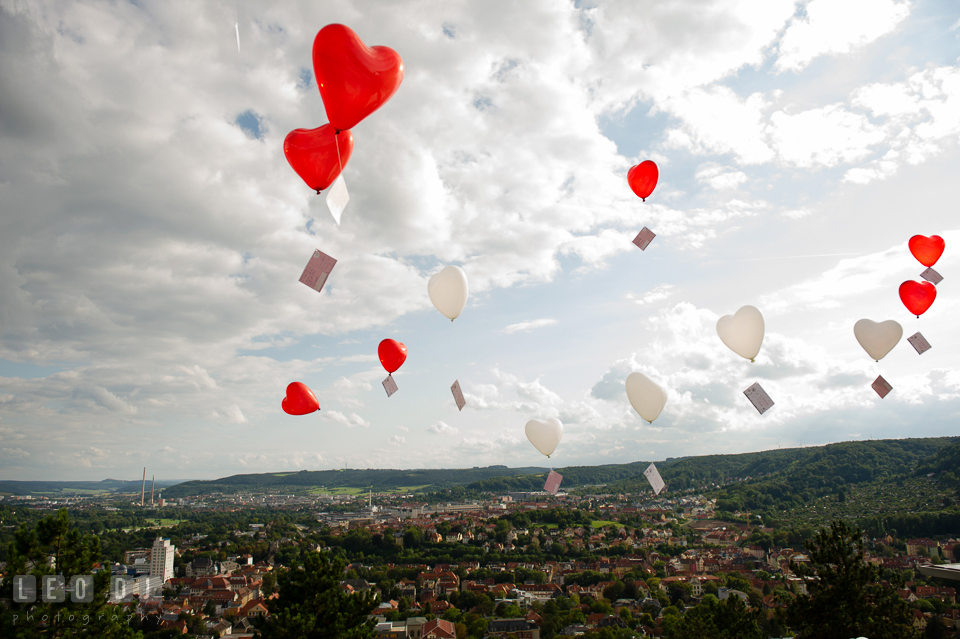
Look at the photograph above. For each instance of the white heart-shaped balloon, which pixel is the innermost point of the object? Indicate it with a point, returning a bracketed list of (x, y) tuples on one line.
[(545, 435), (877, 338), (646, 396), (448, 291), (742, 332)]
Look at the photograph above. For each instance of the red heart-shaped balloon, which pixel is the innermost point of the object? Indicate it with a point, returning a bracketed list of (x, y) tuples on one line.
[(392, 354), (917, 296), (300, 400), (354, 79), (313, 154), (643, 178), (927, 250)]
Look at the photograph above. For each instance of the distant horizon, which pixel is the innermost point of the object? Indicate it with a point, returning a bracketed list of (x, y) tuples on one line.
[(545, 468)]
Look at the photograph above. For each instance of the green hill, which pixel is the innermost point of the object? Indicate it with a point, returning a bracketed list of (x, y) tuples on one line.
[(377, 480), (750, 481), (774, 481)]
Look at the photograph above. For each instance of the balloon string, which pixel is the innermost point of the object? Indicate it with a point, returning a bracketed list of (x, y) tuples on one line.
[(336, 136)]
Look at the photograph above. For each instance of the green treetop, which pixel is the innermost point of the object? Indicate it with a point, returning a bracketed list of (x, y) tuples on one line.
[(844, 597)]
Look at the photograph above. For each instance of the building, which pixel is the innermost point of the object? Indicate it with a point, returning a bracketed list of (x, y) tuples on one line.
[(438, 629), (412, 628), (202, 567), (519, 628), (161, 559)]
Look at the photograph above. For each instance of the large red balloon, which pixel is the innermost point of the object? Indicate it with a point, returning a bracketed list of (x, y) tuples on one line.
[(313, 154), (300, 400), (927, 250), (917, 296), (643, 178), (354, 79), (392, 354)]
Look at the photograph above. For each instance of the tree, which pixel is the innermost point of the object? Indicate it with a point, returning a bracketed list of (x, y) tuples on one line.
[(715, 619), (268, 585), (54, 540), (844, 599), (311, 604), (935, 628)]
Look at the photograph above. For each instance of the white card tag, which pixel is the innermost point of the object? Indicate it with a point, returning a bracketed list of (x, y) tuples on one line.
[(337, 198), (317, 270), (932, 276), (553, 483), (643, 238), (882, 386), (759, 398), (458, 395), (920, 343), (389, 385), (653, 476)]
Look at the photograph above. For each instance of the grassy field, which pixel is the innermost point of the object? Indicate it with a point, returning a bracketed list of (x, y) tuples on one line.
[(601, 523), (409, 489), (353, 490), (163, 522), (343, 490)]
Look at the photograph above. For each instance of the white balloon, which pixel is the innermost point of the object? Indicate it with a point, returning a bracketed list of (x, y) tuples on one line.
[(448, 291), (742, 332), (646, 396), (877, 338), (545, 435)]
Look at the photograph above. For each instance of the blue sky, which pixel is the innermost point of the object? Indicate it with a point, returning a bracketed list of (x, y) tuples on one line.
[(152, 233)]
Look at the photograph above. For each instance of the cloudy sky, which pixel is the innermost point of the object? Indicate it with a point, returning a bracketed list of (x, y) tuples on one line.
[(152, 234)]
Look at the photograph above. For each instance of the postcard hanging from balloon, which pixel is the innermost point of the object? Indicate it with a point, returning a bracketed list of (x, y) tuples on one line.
[(317, 270), (759, 398), (553, 482), (458, 395), (337, 198), (882, 386), (920, 343), (932, 276), (389, 385), (643, 238), (653, 476)]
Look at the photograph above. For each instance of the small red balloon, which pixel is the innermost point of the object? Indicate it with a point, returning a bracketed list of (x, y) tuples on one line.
[(927, 250), (392, 354), (354, 79), (313, 154), (917, 296), (300, 400), (643, 178)]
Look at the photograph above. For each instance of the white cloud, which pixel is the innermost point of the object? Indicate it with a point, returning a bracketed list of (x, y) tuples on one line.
[(836, 26), (398, 440), (337, 417), (852, 277), (720, 177), (442, 428), (717, 121), (672, 49), (825, 136), (658, 294), (529, 325), (876, 170), (161, 286), (15, 452)]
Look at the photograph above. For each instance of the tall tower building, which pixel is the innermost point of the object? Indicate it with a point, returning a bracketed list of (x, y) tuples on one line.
[(161, 559)]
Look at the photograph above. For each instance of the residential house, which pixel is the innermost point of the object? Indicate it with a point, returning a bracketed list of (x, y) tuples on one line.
[(438, 629)]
